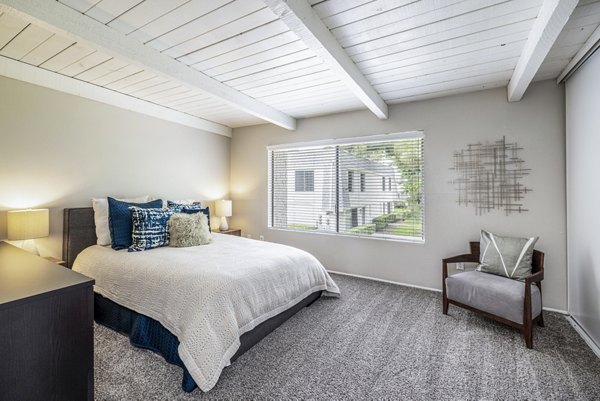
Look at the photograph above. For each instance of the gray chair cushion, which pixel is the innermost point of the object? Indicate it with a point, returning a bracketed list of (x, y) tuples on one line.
[(494, 294)]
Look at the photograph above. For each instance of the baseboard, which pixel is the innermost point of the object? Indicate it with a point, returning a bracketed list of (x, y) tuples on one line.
[(581, 331), (386, 281), (563, 312)]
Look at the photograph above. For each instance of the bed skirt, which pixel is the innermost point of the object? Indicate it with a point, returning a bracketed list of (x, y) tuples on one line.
[(145, 332)]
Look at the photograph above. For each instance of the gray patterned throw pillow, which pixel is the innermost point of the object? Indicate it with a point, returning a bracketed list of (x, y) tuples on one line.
[(188, 230), (506, 256)]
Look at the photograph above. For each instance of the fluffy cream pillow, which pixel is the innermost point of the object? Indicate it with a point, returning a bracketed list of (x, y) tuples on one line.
[(100, 206), (188, 230)]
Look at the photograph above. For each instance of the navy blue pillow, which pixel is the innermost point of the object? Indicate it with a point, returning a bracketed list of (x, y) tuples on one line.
[(120, 223), (190, 209)]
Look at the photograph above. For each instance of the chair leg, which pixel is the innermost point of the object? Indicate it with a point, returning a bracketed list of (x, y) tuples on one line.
[(445, 305), (528, 333)]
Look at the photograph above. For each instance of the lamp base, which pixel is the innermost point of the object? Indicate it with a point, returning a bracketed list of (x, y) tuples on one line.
[(223, 226)]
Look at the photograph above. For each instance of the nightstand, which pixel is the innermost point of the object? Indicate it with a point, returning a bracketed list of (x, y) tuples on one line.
[(232, 231), (56, 261), (46, 329)]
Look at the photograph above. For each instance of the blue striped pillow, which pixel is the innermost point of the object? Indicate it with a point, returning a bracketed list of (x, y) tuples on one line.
[(149, 229)]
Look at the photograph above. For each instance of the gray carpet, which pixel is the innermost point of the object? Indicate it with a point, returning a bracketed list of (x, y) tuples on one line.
[(377, 341)]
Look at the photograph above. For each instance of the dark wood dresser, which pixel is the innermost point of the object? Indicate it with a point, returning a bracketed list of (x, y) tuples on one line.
[(46, 330)]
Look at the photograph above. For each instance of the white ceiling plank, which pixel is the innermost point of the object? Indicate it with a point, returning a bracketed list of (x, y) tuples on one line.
[(588, 47), (172, 94), (502, 76), (114, 76), (141, 93), (67, 57), (80, 5), (408, 17), (85, 64), (49, 48), (246, 51), (267, 65), (146, 83), (364, 11), (236, 43), (56, 17), (281, 77), (326, 8), (176, 18), (553, 16), (10, 26), (445, 29), (491, 37), (101, 70), (143, 14), (449, 92), (458, 62), (26, 41), (107, 10), (273, 53), (130, 80), (223, 32), (274, 72), (440, 51), (38, 76), (299, 16), (207, 22)]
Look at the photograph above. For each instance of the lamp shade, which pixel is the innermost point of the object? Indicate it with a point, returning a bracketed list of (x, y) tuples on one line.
[(27, 224), (223, 208)]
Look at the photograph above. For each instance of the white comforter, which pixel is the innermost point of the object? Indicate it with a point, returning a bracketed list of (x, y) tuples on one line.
[(207, 296)]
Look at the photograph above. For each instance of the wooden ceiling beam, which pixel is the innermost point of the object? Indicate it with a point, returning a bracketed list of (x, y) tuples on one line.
[(549, 23), (299, 16), (63, 20)]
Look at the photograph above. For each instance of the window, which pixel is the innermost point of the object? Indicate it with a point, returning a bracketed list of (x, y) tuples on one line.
[(350, 181), (304, 181), (312, 189)]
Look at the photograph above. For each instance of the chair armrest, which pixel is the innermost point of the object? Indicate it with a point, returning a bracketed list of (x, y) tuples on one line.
[(467, 257), (534, 278)]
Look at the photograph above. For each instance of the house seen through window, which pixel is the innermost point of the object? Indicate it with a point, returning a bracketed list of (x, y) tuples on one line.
[(370, 187)]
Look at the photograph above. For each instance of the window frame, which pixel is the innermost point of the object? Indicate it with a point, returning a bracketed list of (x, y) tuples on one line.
[(351, 141)]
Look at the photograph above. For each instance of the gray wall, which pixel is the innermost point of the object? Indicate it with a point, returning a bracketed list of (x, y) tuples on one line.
[(536, 123), (583, 193), (59, 150)]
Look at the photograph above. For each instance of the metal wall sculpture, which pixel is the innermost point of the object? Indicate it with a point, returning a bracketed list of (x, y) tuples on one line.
[(489, 177)]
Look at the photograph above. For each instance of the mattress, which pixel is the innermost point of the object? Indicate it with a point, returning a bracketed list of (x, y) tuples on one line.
[(207, 296)]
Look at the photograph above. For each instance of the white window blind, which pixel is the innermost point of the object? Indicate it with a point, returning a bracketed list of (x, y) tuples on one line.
[(370, 187)]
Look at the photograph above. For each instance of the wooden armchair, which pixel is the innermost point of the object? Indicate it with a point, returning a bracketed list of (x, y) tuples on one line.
[(515, 303)]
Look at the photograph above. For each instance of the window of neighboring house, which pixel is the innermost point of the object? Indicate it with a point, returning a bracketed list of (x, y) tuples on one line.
[(350, 181), (304, 181), (396, 212)]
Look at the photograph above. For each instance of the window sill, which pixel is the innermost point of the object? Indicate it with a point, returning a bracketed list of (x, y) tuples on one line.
[(406, 240)]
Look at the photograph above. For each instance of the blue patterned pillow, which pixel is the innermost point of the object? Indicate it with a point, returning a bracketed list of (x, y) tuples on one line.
[(191, 209), (149, 228), (119, 220)]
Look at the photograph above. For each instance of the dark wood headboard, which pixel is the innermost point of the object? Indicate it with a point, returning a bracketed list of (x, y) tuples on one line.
[(79, 232)]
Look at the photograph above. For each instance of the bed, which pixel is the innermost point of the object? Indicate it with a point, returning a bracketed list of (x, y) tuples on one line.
[(199, 307)]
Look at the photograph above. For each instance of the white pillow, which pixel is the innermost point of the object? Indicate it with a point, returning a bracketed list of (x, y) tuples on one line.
[(100, 206)]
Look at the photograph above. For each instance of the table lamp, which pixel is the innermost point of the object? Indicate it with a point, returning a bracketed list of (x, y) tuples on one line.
[(223, 210), (26, 226)]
